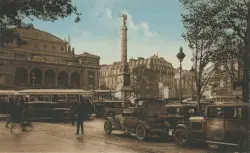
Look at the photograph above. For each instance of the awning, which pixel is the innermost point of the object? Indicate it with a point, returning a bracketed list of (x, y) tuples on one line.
[(54, 92), (7, 92)]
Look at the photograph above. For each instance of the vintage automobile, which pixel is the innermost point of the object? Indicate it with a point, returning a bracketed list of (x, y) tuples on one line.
[(141, 121), (108, 107), (223, 124), (114, 108), (177, 113)]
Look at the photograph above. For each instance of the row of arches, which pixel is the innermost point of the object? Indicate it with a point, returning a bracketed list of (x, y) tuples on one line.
[(22, 76)]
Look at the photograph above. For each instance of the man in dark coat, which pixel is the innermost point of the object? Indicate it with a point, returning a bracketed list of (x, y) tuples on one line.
[(9, 108), (16, 114), (82, 114), (73, 113)]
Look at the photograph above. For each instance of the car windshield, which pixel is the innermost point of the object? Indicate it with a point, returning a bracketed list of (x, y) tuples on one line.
[(228, 112)]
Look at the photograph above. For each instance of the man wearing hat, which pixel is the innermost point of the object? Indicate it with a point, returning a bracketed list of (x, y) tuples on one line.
[(82, 112)]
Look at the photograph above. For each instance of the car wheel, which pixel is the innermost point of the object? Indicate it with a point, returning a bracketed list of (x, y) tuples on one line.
[(141, 132), (181, 137), (108, 127)]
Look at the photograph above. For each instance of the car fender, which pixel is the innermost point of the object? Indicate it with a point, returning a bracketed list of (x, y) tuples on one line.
[(113, 122), (144, 123), (108, 112), (183, 126)]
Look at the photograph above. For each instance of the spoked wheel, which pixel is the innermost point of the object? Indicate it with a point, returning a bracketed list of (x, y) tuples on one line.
[(108, 127), (141, 132), (181, 137)]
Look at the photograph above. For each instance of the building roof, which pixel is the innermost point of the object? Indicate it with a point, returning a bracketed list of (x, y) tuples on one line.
[(88, 55), (33, 33)]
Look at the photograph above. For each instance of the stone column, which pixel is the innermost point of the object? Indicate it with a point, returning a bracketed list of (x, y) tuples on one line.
[(124, 44), (56, 79), (69, 79), (28, 77), (96, 80), (14, 77), (86, 84), (81, 80), (43, 78)]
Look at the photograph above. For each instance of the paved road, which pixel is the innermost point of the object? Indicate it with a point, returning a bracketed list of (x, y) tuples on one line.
[(47, 137)]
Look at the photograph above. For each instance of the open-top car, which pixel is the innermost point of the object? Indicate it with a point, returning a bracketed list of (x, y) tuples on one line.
[(224, 124), (141, 121)]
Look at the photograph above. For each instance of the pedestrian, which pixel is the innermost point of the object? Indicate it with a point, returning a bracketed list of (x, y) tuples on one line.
[(73, 113), (16, 114), (9, 108), (82, 114)]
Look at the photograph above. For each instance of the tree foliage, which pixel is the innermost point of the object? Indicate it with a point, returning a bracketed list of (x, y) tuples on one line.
[(15, 13), (201, 39), (145, 82), (226, 22)]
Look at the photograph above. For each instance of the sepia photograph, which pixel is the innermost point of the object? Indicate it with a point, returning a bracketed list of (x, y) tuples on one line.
[(124, 76)]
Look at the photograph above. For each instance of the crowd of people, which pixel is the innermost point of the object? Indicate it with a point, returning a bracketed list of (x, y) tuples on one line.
[(17, 108)]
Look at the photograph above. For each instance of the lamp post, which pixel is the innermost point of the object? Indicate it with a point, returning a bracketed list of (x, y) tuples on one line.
[(180, 57), (33, 79), (192, 72)]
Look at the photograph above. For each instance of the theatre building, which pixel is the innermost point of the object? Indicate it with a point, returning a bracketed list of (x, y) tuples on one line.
[(46, 61)]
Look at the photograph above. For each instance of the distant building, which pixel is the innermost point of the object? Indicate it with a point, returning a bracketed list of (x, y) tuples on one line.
[(188, 82), (223, 83), (111, 75), (46, 61)]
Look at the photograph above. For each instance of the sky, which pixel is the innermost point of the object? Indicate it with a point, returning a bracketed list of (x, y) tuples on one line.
[(154, 27)]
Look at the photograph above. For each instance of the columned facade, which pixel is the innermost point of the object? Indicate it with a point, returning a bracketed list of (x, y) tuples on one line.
[(48, 78), (46, 62)]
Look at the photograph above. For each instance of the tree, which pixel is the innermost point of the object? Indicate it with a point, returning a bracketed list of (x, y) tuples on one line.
[(202, 40), (232, 18), (145, 82), (14, 12)]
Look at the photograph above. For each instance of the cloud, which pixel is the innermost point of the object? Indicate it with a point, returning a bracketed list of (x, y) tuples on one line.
[(106, 17), (109, 13), (142, 40), (142, 25)]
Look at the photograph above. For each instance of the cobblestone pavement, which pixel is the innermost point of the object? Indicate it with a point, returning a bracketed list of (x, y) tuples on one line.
[(48, 137)]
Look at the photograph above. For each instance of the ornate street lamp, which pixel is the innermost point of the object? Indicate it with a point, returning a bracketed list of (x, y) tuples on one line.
[(192, 72), (33, 79), (180, 57)]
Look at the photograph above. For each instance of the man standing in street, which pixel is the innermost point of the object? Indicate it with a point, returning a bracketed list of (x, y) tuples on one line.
[(73, 113), (82, 114), (10, 106)]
